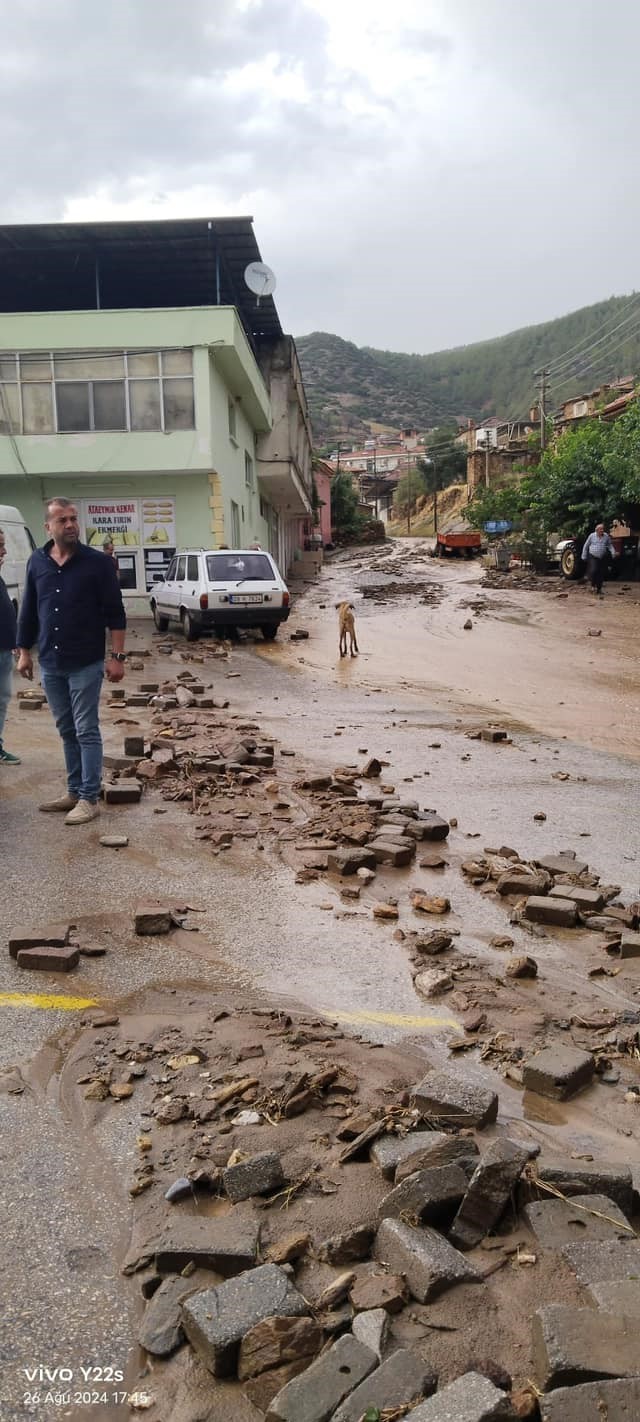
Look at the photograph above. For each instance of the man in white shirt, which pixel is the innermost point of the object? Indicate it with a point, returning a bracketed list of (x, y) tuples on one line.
[(597, 549)]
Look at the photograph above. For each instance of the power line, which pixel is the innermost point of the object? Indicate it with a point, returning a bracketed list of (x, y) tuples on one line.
[(561, 364), (605, 354)]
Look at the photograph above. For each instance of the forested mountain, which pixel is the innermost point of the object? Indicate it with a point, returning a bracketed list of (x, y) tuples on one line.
[(349, 387)]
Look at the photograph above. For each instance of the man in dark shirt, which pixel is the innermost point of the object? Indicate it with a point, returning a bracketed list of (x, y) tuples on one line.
[(71, 596), (7, 648)]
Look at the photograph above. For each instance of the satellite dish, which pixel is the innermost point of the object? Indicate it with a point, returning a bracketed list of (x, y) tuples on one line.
[(260, 279)]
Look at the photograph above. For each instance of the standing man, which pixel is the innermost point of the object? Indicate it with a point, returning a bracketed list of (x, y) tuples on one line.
[(71, 596), (7, 647), (597, 549)]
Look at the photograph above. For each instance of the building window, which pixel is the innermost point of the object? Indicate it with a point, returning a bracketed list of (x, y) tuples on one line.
[(248, 470), (232, 420), (264, 509), (235, 525), (72, 392)]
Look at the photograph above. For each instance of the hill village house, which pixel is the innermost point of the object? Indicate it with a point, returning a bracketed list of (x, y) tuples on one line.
[(141, 377)]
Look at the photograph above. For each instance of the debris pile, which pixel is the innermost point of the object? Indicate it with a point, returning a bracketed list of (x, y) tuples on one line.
[(321, 1237)]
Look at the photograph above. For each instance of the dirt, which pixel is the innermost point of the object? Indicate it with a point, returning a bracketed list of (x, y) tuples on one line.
[(532, 654)]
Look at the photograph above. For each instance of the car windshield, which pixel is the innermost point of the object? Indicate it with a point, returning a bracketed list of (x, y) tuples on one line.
[(238, 568)]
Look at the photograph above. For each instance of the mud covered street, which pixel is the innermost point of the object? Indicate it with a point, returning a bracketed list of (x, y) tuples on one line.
[(274, 957)]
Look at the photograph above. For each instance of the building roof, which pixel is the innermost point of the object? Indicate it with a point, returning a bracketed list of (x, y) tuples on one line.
[(79, 266)]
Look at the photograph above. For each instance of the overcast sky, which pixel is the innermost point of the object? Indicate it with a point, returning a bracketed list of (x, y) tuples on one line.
[(422, 173)]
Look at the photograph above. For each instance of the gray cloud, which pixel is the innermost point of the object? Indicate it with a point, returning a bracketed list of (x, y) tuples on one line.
[(419, 175)]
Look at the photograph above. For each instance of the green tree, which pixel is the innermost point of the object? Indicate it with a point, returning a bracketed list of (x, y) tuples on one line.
[(589, 474), (346, 521)]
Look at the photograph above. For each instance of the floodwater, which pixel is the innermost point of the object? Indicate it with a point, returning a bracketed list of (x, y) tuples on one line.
[(530, 656)]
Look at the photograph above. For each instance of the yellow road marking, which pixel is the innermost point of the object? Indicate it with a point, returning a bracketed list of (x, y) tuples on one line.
[(392, 1019), (46, 1000)]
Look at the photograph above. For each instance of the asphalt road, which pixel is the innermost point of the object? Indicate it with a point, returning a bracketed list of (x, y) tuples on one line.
[(64, 1184)]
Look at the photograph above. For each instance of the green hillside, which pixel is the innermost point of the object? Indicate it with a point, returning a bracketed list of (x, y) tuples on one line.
[(349, 386)]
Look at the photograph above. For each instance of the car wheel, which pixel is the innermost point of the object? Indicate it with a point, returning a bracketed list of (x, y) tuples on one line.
[(270, 633), (571, 563), (161, 622), (189, 627)]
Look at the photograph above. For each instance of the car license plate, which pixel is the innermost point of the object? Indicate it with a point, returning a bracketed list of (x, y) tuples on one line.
[(245, 597)]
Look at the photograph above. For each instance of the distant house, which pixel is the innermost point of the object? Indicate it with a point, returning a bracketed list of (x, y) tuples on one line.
[(579, 408), (495, 433)]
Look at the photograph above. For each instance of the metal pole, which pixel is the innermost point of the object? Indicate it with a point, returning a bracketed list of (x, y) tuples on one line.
[(408, 492), (486, 458), (375, 479), (542, 376)]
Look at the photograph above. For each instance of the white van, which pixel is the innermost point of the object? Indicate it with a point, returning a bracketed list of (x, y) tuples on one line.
[(20, 546)]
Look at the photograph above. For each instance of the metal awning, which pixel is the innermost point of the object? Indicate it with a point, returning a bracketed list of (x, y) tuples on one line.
[(79, 266)]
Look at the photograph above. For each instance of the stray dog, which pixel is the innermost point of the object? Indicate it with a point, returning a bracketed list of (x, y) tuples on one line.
[(347, 626)]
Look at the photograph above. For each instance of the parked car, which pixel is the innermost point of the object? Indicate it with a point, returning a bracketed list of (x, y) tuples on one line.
[(223, 589), (569, 556), (20, 546)]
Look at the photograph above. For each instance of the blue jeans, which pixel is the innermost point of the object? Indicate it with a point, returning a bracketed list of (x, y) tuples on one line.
[(73, 697), (6, 673)]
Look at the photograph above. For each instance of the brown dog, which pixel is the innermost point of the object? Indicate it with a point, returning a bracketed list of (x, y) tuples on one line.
[(347, 626)]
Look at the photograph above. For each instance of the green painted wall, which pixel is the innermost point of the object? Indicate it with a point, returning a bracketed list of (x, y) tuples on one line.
[(134, 465)]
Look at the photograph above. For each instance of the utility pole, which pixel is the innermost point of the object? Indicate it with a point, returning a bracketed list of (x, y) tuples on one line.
[(375, 478), (408, 492), (542, 376), (487, 448)]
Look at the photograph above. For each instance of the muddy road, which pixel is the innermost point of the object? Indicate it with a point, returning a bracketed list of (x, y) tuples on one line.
[(419, 690)]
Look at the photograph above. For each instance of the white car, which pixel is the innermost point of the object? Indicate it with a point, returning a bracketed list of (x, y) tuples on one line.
[(221, 589)]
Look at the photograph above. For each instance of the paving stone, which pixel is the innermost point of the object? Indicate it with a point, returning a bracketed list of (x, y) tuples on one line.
[(577, 1345), (429, 1263), (471, 1398), (447, 1150), (558, 1072), (629, 945), (456, 1099), (562, 864), (228, 1245), (315, 1395), (372, 1328), (388, 1152), (558, 1222), (276, 1341), (489, 1192), (584, 898), (560, 912), (348, 1248), (433, 826), (216, 1320), (378, 1291), (430, 1196), (30, 704), (48, 960), (617, 1401), (512, 882), (348, 861), (114, 841), (577, 1177), (387, 851), (53, 935), (152, 919), (401, 1379), (123, 792), (161, 1328), (619, 1296), (255, 1176), (604, 1260)]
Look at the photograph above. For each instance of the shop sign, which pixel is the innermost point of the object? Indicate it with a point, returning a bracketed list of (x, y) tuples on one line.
[(113, 518)]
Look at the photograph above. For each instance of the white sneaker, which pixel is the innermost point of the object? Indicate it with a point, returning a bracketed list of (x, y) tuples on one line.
[(82, 813)]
